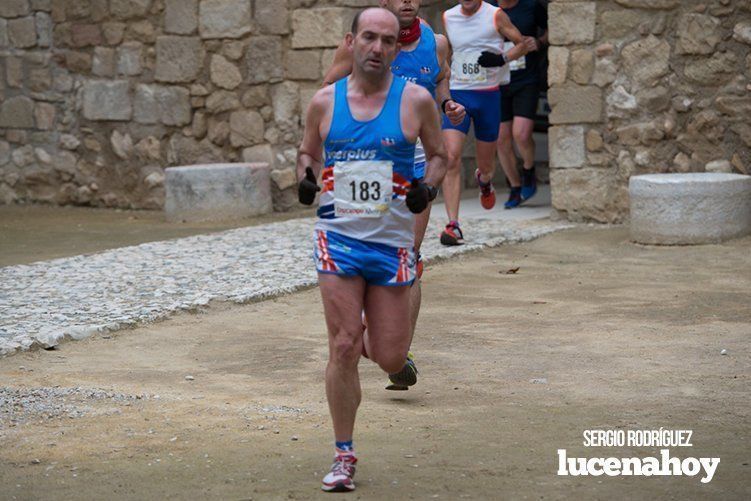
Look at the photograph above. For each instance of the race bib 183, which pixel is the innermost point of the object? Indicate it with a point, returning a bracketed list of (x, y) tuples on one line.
[(466, 69), (362, 188)]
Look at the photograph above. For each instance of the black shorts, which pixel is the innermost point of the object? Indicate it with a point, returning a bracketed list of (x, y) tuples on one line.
[(519, 100)]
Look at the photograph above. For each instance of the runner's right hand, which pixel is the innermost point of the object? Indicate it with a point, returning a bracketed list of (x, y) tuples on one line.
[(489, 59), (307, 189)]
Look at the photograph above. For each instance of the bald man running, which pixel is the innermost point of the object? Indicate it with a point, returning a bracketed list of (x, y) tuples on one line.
[(422, 59), (367, 126)]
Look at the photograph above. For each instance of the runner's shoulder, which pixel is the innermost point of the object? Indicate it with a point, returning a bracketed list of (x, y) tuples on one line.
[(323, 98), (417, 95)]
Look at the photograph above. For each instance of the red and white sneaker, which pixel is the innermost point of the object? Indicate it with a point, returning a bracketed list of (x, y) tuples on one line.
[(487, 192), (452, 234), (339, 479)]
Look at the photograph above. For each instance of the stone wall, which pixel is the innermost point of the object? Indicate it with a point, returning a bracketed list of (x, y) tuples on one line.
[(642, 86), (97, 97)]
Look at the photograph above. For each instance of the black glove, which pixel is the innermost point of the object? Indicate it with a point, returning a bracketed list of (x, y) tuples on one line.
[(419, 195), (307, 189), (489, 59)]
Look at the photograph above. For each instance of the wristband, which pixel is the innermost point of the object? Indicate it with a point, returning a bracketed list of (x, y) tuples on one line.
[(443, 105)]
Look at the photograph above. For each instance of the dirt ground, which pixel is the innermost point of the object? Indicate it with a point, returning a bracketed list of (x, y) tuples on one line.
[(591, 332)]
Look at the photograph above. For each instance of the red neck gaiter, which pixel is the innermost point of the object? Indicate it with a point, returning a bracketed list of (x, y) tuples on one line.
[(411, 33)]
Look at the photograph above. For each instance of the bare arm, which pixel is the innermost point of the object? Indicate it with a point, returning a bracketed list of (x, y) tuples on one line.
[(432, 140), (454, 111), (510, 32), (341, 66), (310, 153)]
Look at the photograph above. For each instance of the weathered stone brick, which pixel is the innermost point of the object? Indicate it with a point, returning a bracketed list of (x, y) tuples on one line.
[(17, 112), (619, 23), (113, 33), (129, 9), (107, 100), (646, 61), (582, 65), (43, 23), (263, 59), (246, 128), (22, 32), (169, 105), (286, 99), (181, 17), (85, 35), (224, 18), (104, 63), (44, 116), (589, 194), (575, 104), (14, 8), (649, 4), (272, 18), (572, 23), (302, 65), (566, 145), (129, 58), (697, 34), (558, 65), (4, 41), (224, 74), (178, 59), (716, 70), (323, 27), (14, 71)]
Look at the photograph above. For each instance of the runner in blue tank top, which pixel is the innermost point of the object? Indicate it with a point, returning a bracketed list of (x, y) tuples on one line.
[(422, 59), (367, 126)]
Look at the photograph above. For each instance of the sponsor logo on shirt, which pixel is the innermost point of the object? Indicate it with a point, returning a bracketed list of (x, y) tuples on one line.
[(350, 155)]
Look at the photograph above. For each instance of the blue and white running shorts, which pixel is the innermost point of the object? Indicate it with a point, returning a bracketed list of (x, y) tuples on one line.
[(483, 108), (378, 264)]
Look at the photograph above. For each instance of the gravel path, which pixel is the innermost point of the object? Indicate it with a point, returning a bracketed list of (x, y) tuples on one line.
[(45, 302)]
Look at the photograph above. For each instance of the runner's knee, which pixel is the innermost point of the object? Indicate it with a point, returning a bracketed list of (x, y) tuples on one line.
[(345, 348)]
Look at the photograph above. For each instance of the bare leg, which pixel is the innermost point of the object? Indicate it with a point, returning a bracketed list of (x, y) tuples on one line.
[(343, 299), (387, 309), (451, 187), (523, 128), (506, 155), (486, 160)]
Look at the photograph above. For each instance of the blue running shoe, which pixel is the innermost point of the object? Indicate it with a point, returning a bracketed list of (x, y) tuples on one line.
[(529, 183), (514, 198)]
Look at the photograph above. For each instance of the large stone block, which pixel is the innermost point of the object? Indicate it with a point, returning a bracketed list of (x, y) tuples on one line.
[(302, 65), (323, 27), (224, 18), (169, 105), (572, 23), (181, 17), (14, 8), (178, 59), (566, 146), (716, 70), (129, 9), (558, 65), (107, 100), (264, 55), (646, 61), (17, 113), (22, 32), (619, 23), (129, 58), (224, 74), (43, 23), (575, 104), (589, 194), (286, 99), (217, 192), (698, 34), (272, 18), (692, 208), (246, 128)]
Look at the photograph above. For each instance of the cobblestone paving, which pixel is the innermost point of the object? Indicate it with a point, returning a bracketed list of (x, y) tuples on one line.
[(43, 303)]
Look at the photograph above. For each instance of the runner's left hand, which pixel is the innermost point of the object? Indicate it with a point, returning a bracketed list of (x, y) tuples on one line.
[(489, 59), (419, 195)]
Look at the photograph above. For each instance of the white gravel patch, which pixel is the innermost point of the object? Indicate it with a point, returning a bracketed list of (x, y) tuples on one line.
[(43, 303)]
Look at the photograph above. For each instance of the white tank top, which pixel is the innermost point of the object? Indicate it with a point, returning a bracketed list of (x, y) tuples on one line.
[(469, 36)]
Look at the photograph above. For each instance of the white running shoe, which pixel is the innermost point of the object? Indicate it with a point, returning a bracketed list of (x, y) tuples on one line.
[(339, 479)]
